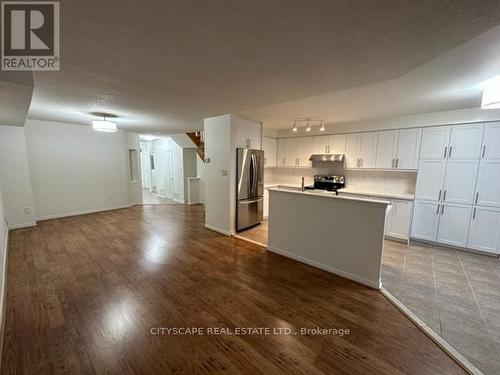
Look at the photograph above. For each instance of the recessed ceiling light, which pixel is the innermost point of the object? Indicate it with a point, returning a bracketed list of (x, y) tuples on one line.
[(104, 125)]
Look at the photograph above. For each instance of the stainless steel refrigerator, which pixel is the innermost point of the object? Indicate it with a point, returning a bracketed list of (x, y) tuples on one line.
[(249, 187)]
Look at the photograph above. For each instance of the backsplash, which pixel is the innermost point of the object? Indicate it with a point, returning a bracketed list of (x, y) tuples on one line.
[(369, 180)]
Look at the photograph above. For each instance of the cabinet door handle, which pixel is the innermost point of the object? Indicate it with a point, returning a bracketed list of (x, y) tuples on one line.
[(484, 151), (439, 195), (442, 209), (477, 196), (397, 163), (474, 214), (437, 211), (444, 196), (445, 150), (449, 153)]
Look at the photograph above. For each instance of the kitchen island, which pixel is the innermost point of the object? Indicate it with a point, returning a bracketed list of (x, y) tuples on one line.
[(342, 235)]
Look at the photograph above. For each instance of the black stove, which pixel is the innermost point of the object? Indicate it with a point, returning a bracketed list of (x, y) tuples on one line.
[(328, 183)]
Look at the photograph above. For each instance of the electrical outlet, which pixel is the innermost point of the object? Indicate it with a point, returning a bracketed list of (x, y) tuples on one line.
[(27, 210), (224, 172)]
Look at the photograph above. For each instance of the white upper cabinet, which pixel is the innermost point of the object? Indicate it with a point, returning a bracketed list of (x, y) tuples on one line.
[(488, 183), (368, 150), (454, 224), (465, 141), (321, 144), (430, 179), (305, 151), (460, 181), (247, 134), (435, 142), (353, 143), (337, 144), (491, 141), (281, 153), (292, 152), (269, 147), (387, 143), (425, 220), (408, 148), (484, 231)]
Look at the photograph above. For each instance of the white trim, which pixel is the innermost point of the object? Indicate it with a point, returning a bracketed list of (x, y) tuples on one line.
[(23, 225), (447, 348), (178, 200), (86, 212), (323, 267), (3, 303), (215, 229), (249, 240)]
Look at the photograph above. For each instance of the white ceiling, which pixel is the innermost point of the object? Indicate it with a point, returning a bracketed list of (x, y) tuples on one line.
[(165, 65)]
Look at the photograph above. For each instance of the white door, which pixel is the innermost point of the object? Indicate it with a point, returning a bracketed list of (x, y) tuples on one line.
[(368, 149), (408, 148), (281, 153), (292, 152), (386, 149), (352, 150), (400, 219), (491, 141), (460, 181), (305, 151), (435, 142), (454, 224), (169, 171), (465, 141), (425, 220), (320, 144), (337, 143), (484, 231), (430, 179), (488, 183), (269, 147)]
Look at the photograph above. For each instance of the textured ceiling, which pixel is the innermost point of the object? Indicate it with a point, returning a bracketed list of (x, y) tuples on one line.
[(165, 65)]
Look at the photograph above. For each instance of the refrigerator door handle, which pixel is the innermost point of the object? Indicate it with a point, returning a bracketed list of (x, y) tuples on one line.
[(254, 175), (250, 201)]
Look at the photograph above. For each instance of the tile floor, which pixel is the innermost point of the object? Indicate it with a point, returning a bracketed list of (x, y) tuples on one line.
[(456, 293), (153, 198)]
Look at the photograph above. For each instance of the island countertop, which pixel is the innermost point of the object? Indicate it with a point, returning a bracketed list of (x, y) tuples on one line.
[(331, 195), (340, 234)]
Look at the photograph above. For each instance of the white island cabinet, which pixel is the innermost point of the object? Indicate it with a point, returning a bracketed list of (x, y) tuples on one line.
[(305, 226)]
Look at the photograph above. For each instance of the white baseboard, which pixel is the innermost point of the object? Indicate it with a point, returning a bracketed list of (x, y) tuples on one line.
[(215, 229), (23, 225), (360, 280), (76, 213)]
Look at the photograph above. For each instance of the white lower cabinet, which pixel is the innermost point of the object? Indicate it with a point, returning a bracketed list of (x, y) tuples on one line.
[(266, 204), (484, 231), (425, 220), (454, 224), (399, 220)]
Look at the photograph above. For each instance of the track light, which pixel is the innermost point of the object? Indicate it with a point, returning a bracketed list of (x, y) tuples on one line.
[(308, 126), (322, 129), (294, 128)]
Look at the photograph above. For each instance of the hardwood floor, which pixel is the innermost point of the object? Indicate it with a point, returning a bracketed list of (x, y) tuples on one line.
[(84, 292)]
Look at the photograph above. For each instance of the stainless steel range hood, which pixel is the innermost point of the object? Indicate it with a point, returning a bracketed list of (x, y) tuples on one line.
[(327, 157)]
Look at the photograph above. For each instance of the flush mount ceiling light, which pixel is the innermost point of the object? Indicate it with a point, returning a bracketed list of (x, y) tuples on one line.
[(104, 125), (491, 93)]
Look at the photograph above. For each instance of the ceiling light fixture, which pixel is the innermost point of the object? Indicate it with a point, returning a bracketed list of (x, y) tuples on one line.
[(491, 94), (104, 125), (322, 129), (294, 128), (308, 126)]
